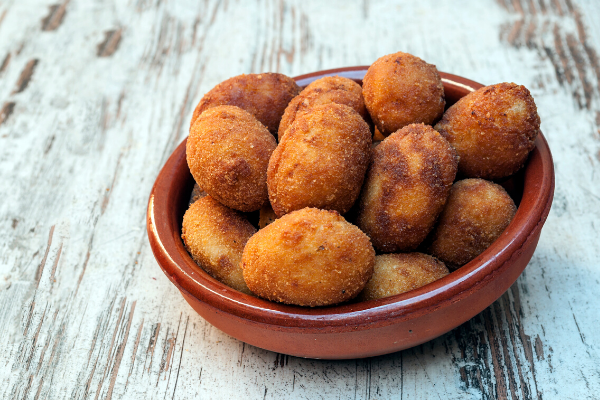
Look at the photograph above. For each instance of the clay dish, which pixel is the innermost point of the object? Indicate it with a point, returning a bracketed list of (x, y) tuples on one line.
[(364, 329)]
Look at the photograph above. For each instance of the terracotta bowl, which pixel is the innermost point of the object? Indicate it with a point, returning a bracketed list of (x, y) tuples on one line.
[(357, 329)]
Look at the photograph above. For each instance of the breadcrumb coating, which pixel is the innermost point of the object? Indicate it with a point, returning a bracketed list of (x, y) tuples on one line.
[(476, 214), (321, 161), (263, 95), (400, 89), (228, 152), (330, 89), (215, 236), (400, 273), (493, 130), (406, 187), (309, 257)]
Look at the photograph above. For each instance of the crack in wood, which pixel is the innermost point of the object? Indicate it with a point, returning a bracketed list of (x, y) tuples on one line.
[(167, 354), (5, 62), (110, 44), (110, 348), (119, 355), (25, 76), (152, 345), (133, 354), (497, 361), (181, 356), (572, 56), (53, 271), (109, 190), (40, 269), (55, 16), (6, 111)]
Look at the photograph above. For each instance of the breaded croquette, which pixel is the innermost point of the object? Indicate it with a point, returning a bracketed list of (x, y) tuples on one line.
[(330, 89), (400, 273), (321, 161), (493, 130), (406, 187), (263, 95), (476, 214), (309, 257), (400, 89), (228, 152), (215, 236)]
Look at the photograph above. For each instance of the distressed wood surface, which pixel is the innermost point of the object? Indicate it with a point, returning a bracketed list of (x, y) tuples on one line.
[(94, 96)]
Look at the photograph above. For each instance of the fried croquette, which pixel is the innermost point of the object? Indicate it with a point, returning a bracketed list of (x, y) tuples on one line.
[(309, 257), (406, 187), (215, 236), (400, 89), (330, 89), (476, 214), (493, 130), (228, 152), (321, 161), (400, 273), (263, 95)]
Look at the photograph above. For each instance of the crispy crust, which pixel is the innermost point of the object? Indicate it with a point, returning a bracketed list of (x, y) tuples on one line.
[(321, 161), (493, 130), (400, 273), (309, 257), (406, 187), (263, 95), (400, 89), (228, 152), (476, 214), (330, 89), (215, 236)]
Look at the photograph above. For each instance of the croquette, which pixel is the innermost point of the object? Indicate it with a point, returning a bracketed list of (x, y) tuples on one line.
[(330, 89), (493, 130), (321, 161), (406, 187), (309, 257), (228, 152), (400, 89), (400, 273), (215, 236), (263, 95), (476, 214)]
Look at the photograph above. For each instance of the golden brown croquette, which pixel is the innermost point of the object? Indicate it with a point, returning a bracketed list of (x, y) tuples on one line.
[(309, 257), (321, 161), (476, 214), (215, 236), (406, 187), (493, 130), (330, 89), (263, 95), (400, 273), (228, 152), (400, 89)]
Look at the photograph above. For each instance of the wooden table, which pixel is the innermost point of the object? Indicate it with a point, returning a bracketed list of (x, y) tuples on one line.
[(95, 95)]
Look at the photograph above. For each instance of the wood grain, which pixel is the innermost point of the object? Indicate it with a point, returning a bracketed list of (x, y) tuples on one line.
[(96, 95)]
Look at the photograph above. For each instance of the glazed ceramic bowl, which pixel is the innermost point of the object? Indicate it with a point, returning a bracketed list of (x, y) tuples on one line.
[(363, 329)]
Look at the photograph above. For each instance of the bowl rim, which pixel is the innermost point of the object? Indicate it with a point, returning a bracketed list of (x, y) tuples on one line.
[(164, 232)]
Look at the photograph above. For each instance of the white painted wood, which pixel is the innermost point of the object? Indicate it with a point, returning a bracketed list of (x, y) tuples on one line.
[(85, 311)]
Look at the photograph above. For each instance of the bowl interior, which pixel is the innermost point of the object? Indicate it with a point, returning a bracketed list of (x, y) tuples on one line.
[(531, 188)]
